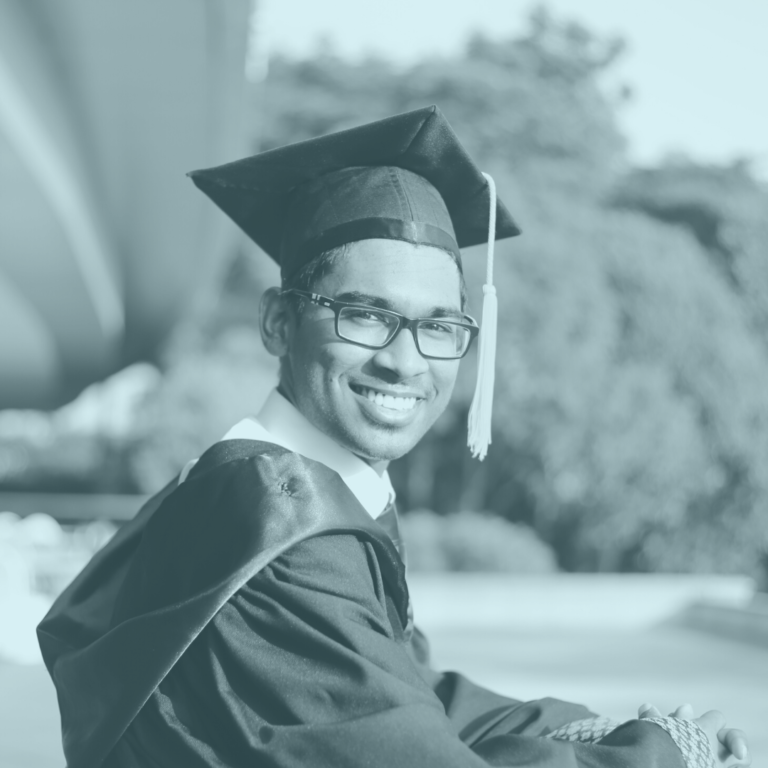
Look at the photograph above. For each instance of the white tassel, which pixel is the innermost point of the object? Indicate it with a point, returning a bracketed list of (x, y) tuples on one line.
[(480, 412)]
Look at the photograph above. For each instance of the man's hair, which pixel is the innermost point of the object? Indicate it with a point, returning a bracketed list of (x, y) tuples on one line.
[(311, 273)]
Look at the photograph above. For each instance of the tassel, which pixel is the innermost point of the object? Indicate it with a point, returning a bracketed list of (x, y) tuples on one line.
[(480, 412)]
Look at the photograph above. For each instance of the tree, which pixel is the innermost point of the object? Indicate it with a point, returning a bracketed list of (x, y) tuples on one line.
[(723, 207), (631, 424)]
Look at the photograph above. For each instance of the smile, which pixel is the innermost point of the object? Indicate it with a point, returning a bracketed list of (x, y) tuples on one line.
[(392, 402)]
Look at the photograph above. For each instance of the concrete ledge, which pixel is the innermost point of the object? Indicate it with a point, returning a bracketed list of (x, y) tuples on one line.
[(567, 601), (748, 623), (68, 508)]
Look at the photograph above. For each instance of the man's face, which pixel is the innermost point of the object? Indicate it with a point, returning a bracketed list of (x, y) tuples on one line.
[(331, 381)]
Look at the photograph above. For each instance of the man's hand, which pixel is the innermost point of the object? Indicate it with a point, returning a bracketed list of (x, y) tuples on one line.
[(727, 743)]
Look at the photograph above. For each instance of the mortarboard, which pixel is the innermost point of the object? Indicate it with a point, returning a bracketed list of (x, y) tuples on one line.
[(406, 177)]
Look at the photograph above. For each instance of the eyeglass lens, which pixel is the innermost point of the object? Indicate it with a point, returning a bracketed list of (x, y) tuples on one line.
[(436, 338)]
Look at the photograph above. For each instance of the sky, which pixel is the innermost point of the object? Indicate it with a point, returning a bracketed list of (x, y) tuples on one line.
[(697, 68)]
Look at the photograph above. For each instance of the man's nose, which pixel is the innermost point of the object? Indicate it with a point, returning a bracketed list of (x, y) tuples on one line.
[(402, 356)]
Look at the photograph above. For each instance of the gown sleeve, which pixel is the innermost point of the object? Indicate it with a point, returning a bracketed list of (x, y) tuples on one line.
[(477, 712), (308, 664)]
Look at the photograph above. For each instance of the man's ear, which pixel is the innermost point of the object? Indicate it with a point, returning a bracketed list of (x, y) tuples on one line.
[(276, 322)]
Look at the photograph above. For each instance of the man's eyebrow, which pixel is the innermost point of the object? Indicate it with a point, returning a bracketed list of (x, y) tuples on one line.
[(357, 297)]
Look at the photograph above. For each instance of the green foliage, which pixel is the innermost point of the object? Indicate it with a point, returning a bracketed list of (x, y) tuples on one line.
[(64, 464), (724, 208), (631, 424), (636, 382), (216, 372), (471, 541), (530, 108), (206, 389), (631, 420)]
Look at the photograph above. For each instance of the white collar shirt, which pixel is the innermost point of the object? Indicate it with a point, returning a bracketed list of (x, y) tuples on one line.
[(280, 423)]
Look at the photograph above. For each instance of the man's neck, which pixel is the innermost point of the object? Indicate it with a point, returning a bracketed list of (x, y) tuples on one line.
[(379, 466)]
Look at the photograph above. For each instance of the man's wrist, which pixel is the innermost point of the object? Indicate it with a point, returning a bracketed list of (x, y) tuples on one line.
[(588, 730), (690, 738)]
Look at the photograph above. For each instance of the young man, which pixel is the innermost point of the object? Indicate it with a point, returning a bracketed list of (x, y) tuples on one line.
[(256, 611)]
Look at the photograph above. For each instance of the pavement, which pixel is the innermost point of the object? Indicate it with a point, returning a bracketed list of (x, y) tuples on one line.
[(29, 718), (612, 671)]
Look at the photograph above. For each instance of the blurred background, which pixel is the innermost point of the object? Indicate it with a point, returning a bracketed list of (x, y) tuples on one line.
[(625, 496)]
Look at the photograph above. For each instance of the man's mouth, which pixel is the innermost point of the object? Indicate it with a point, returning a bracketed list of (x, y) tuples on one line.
[(385, 399)]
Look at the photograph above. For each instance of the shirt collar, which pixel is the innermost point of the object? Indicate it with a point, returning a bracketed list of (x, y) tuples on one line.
[(279, 422)]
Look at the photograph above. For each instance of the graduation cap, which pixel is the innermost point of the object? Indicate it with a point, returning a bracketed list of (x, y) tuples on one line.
[(406, 177)]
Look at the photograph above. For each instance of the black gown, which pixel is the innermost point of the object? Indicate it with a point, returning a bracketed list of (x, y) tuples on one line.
[(255, 615)]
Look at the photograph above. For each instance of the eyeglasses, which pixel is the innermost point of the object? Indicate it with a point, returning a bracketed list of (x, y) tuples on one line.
[(437, 338)]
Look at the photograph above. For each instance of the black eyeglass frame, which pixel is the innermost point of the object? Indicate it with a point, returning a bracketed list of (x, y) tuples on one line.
[(402, 322)]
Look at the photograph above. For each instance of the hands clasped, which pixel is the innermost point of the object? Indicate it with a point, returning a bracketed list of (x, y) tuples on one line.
[(729, 745)]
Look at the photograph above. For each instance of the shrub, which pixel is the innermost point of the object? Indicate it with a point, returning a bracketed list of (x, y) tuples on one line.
[(472, 541)]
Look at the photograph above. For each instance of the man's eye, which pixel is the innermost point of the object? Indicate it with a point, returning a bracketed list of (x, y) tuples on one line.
[(437, 328), (365, 316)]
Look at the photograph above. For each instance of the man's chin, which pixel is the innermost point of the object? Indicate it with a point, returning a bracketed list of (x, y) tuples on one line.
[(384, 447), (374, 438)]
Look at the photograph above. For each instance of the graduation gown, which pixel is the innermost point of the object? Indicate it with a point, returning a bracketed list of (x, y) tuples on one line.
[(257, 615)]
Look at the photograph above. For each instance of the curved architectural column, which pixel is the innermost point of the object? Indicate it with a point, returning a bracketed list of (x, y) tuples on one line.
[(103, 109), (30, 139)]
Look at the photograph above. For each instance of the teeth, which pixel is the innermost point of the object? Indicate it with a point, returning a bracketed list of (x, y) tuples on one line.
[(389, 401)]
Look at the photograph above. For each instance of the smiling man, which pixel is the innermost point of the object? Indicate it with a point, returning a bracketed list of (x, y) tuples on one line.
[(351, 366), (256, 610)]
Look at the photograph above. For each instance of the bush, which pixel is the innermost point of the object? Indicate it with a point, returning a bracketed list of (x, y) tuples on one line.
[(472, 541)]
